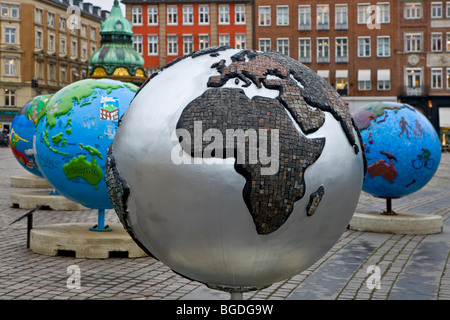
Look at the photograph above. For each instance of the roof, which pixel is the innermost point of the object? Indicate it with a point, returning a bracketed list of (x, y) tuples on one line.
[(182, 1)]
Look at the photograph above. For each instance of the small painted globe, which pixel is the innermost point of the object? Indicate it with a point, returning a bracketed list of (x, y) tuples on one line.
[(236, 168), (73, 135), (402, 148), (23, 129)]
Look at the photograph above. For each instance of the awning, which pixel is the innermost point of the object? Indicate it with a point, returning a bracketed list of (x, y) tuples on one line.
[(341, 73), (363, 75), (324, 73), (384, 74)]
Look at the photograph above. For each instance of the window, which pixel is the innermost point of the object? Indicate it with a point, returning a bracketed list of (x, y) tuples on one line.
[(341, 17), (448, 78), (304, 50), (38, 43), (341, 50), (240, 41), (50, 19), (413, 77), (383, 46), (10, 66), (413, 10), (264, 44), (10, 97), (363, 13), (264, 16), (172, 45), (447, 9), (436, 42), (283, 46), (324, 74), (323, 50), (188, 44), (363, 47), (10, 35), (83, 51), (93, 49), (203, 41), (436, 78), (93, 32), (152, 15), (39, 68), (62, 74), (188, 15), (436, 10), (383, 13), (342, 82), (10, 10), (413, 42), (137, 43), (51, 42), (73, 48), (364, 82), (224, 14), (83, 31), (38, 15), (323, 17), (282, 15), (5, 10), (384, 79), (224, 39), (304, 17), (203, 14), (448, 41), (239, 14), (136, 15), (62, 23), (172, 12), (152, 45)]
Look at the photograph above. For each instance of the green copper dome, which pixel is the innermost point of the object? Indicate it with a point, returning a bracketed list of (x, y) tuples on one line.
[(116, 58)]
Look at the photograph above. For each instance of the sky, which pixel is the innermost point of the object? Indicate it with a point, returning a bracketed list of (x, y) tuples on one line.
[(105, 4)]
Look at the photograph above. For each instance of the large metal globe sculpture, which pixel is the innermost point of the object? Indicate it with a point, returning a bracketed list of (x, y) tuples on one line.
[(236, 168), (23, 130), (74, 133), (401, 146)]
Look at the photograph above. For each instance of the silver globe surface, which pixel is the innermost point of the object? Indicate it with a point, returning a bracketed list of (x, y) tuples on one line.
[(210, 217)]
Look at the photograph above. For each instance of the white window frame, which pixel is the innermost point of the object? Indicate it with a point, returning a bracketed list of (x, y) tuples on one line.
[(365, 85), (384, 84), (188, 44), (436, 42), (239, 14), (323, 50), (413, 42), (10, 35), (448, 78), (10, 66), (364, 46), (224, 14), (10, 96), (152, 45), (363, 13), (152, 15), (323, 17), (224, 39), (436, 10), (383, 12), (413, 10), (38, 15), (188, 15), (283, 46), (264, 12), (73, 48), (203, 14), (381, 46), (50, 19), (341, 17), (341, 49), (304, 50), (38, 40), (51, 42), (264, 44), (437, 79), (172, 45), (62, 45), (172, 15), (203, 41), (138, 43), (240, 41), (136, 15), (304, 17), (283, 15)]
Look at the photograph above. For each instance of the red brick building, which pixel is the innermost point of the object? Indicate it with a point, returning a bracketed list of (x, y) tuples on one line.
[(166, 30)]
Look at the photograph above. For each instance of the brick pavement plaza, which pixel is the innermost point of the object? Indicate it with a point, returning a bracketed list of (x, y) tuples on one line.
[(410, 266)]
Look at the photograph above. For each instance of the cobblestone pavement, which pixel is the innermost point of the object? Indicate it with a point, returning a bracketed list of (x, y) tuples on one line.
[(410, 266)]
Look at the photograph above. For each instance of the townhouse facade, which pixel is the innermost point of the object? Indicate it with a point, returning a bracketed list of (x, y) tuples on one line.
[(44, 46)]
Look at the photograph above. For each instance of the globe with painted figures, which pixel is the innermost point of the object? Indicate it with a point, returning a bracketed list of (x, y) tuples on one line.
[(23, 130), (231, 166), (73, 134), (402, 148)]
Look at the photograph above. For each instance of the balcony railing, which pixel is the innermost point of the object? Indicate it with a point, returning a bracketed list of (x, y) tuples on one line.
[(414, 91)]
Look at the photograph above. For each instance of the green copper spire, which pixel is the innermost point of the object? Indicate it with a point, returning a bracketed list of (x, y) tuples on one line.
[(116, 58)]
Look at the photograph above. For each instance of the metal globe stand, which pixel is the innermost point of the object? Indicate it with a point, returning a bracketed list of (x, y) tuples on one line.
[(100, 226)]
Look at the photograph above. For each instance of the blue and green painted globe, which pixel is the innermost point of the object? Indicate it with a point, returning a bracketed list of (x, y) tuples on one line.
[(402, 148), (74, 133), (23, 129)]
